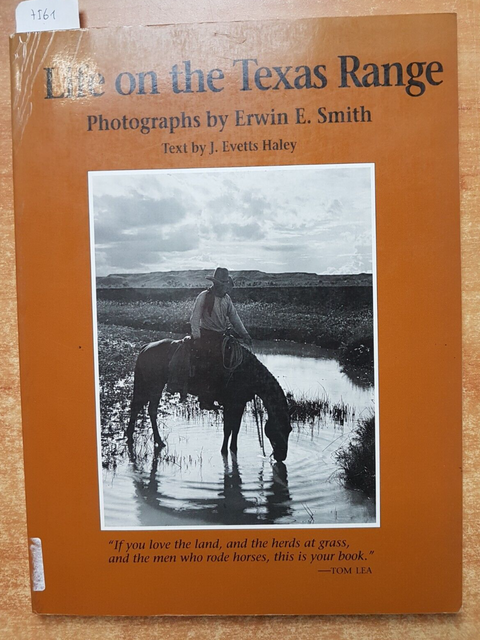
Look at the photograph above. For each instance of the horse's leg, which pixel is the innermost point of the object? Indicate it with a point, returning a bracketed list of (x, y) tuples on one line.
[(134, 411), (232, 418), (227, 432), (152, 412), (237, 420)]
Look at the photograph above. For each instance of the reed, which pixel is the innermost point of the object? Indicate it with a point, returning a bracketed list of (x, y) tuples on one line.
[(305, 410), (357, 459)]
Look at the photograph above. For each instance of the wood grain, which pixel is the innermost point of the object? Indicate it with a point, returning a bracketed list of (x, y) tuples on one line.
[(16, 619)]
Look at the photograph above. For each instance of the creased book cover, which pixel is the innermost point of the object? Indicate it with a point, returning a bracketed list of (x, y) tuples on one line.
[(239, 316)]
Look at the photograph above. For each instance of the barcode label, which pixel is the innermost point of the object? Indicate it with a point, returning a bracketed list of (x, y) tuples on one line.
[(38, 573), (47, 15)]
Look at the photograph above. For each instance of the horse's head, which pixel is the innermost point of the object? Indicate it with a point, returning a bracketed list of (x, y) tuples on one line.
[(277, 430)]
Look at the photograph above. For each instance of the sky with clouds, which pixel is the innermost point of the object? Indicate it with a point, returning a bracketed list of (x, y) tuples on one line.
[(315, 218)]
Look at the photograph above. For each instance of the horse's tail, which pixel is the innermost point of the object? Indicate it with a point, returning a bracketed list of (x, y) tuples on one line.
[(139, 396), (139, 385)]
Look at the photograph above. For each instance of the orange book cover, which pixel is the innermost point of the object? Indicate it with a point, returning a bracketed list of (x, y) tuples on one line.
[(239, 316)]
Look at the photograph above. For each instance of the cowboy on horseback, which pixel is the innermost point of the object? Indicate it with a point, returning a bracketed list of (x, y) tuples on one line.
[(213, 314)]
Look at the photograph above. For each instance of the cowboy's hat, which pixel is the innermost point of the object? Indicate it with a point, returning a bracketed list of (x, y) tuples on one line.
[(220, 275)]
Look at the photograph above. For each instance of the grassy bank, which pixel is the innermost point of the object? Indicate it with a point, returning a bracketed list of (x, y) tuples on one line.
[(329, 327), (357, 460)]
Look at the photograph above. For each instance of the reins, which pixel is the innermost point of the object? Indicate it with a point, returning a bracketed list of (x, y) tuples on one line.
[(261, 438)]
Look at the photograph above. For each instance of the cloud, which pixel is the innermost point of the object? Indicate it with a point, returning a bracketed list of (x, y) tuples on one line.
[(284, 248), (135, 230), (335, 208), (314, 218), (137, 251), (248, 210), (235, 231), (137, 210)]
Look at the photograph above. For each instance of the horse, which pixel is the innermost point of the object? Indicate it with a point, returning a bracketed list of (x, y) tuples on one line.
[(251, 378)]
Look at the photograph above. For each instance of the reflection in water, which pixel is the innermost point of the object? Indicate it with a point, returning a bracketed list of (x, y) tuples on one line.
[(232, 504), (278, 500), (229, 505), (189, 483)]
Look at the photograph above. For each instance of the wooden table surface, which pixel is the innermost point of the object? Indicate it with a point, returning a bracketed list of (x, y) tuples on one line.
[(16, 619)]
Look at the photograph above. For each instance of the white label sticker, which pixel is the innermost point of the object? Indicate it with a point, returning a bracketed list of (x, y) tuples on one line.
[(47, 15), (36, 555)]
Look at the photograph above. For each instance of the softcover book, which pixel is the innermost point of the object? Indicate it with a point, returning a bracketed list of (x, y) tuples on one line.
[(239, 316)]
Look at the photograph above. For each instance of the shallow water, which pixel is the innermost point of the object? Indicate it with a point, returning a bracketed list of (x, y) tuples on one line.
[(190, 484), (307, 370)]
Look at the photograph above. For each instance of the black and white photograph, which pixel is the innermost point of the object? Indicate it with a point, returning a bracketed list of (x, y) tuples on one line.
[(234, 318)]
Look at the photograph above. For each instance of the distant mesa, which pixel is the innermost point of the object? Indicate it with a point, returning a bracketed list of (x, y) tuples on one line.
[(197, 279)]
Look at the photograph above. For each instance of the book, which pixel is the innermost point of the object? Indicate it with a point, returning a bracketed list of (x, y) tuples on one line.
[(238, 273)]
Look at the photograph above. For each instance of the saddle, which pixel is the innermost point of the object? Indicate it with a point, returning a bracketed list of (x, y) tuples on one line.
[(189, 367)]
